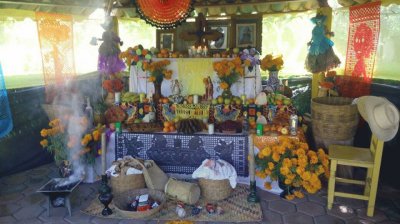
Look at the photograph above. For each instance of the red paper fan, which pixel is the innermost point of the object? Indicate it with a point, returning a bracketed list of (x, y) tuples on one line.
[(164, 14)]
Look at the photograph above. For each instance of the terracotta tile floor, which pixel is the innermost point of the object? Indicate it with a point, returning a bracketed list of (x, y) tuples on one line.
[(19, 203)]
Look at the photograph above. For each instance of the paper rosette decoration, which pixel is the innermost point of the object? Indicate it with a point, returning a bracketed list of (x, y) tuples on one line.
[(164, 14)]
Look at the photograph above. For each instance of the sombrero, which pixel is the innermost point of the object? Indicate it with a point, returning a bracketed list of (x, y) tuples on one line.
[(164, 14), (381, 115)]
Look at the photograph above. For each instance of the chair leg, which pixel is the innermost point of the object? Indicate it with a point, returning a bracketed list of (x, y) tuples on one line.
[(372, 194), (331, 183), (368, 181)]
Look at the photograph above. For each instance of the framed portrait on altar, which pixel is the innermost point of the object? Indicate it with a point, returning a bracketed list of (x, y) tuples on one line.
[(248, 32), (166, 39), (224, 27)]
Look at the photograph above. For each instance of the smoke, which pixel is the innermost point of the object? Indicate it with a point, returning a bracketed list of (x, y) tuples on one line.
[(71, 97)]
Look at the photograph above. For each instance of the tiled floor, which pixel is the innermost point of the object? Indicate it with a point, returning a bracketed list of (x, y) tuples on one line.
[(19, 203)]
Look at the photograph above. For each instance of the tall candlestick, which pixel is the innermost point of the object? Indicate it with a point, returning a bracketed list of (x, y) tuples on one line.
[(252, 166), (103, 153)]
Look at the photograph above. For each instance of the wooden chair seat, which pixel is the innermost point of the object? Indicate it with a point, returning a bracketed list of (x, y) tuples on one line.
[(351, 156)]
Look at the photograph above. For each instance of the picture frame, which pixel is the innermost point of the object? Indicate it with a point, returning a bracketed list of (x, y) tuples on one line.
[(247, 32), (166, 39), (224, 26), (246, 35)]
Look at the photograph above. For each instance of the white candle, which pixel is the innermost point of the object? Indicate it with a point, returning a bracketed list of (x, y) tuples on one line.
[(195, 99), (103, 153), (117, 97), (252, 166), (210, 129)]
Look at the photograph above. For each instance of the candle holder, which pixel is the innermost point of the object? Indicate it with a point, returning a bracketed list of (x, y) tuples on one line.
[(105, 196), (253, 197)]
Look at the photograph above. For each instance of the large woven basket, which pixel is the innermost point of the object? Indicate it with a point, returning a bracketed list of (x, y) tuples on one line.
[(123, 183), (334, 118), (122, 200), (215, 190)]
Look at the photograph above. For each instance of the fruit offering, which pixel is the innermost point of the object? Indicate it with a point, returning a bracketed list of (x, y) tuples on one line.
[(169, 126)]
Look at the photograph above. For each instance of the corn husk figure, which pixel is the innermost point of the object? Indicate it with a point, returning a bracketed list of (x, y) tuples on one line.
[(320, 56)]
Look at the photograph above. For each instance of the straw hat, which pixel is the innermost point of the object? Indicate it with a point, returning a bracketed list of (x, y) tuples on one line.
[(381, 115)]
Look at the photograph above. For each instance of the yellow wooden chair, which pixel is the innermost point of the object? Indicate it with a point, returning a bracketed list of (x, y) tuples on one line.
[(356, 157)]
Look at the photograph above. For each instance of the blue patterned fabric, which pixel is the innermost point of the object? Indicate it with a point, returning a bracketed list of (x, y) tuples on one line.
[(5, 112), (184, 153)]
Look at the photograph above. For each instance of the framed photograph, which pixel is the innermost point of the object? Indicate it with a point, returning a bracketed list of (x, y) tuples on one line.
[(246, 35), (247, 31), (221, 43), (166, 39)]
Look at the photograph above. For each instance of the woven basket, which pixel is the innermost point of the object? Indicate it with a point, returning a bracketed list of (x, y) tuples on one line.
[(123, 183), (122, 200), (186, 192), (333, 118), (215, 190)]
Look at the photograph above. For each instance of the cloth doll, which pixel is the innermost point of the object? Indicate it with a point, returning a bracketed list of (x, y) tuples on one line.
[(320, 56)]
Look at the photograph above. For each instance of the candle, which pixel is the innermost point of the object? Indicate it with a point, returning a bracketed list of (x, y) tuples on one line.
[(210, 129), (252, 166), (195, 99), (117, 97), (103, 153)]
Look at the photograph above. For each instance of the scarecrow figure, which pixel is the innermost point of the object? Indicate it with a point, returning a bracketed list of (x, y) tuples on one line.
[(320, 56)]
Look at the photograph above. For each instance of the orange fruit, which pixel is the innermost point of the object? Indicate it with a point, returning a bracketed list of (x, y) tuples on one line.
[(166, 124), (165, 100), (172, 128), (166, 129)]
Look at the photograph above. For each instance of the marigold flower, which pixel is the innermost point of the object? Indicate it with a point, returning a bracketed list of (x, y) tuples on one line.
[(290, 197), (44, 143), (267, 185), (306, 175), (260, 174), (276, 157), (43, 133), (271, 165), (298, 194)]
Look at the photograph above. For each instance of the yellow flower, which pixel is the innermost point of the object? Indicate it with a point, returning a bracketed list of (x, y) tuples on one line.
[(266, 151), (260, 174), (271, 165), (44, 143), (287, 162), (300, 170), (289, 197), (276, 157), (96, 135), (314, 159), (298, 194), (43, 133), (288, 181), (284, 170), (267, 185), (306, 175), (224, 85)]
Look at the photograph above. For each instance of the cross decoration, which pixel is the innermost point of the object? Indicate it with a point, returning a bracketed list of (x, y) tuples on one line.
[(202, 34)]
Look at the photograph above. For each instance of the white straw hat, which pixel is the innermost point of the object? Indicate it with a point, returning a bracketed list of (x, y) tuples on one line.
[(381, 115)]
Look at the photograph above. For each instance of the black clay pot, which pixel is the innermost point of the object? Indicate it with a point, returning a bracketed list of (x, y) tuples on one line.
[(287, 189)]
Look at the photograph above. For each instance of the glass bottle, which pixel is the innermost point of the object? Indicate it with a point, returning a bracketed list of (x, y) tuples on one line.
[(245, 123), (89, 113)]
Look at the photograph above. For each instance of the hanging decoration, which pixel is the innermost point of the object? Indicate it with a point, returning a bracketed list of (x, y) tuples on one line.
[(6, 124), (164, 14), (361, 50), (57, 49), (56, 45), (320, 57)]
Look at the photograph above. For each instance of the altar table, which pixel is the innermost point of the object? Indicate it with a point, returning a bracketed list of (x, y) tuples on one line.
[(184, 153)]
